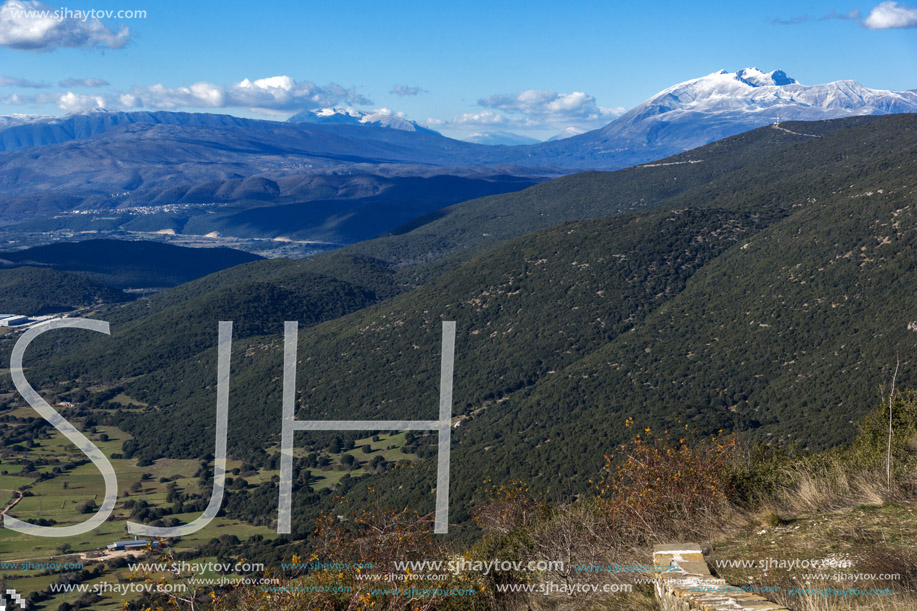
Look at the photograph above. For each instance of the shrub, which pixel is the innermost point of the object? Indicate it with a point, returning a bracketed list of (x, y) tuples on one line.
[(659, 484), (506, 508)]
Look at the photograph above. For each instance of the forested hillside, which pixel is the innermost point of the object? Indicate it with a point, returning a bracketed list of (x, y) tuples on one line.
[(35, 291), (769, 297), (126, 264), (470, 227)]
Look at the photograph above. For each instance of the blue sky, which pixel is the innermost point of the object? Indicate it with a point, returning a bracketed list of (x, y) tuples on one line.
[(471, 62)]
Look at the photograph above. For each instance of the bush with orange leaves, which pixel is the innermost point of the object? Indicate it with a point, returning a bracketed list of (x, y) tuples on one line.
[(506, 508), (659, 486), (369, 542)]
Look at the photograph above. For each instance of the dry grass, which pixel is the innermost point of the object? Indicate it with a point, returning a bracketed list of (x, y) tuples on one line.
[(814, 498), (831, 485), (759, 504), (768, 518)]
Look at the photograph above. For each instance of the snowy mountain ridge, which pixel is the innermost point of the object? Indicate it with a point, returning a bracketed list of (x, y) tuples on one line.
[(345, 115), (721, 104)]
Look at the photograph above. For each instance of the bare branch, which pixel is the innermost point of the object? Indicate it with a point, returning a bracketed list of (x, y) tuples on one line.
[(891, 400)]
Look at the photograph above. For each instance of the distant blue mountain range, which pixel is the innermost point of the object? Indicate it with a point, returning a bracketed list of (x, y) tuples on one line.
[(114, 160)]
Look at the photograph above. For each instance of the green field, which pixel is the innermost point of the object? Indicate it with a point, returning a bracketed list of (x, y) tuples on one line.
[(47, 469), (59, 498)]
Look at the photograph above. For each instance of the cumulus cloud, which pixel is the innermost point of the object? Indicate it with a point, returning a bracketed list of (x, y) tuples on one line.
[(71, 102), (890, 15), (485, 118), (29, 25), (278, 93), (67, 101), (532, 110), (550, 107), (405, 90), (83, 82), (11, 81), (274, 93), (537, 109)]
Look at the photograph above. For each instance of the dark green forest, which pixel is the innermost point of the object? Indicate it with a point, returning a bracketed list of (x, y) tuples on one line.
[(126, 264), (36, 291)]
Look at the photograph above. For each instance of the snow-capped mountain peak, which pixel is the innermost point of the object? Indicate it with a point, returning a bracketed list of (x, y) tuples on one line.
[(751, 97), (568, 132), (381, 117), (499, 137), (20, 119), (723, 84), (698, 111), (757, 78)]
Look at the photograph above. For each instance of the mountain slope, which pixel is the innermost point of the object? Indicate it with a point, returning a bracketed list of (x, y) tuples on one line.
[(136, 152), (791, 307), (124, 264), (757, 194), (339, 209), (466, 228), (34, 291), (497, 138), (137, 162), (43, 131), (345, 221), (458, 233), (721, 104), (767, 298)]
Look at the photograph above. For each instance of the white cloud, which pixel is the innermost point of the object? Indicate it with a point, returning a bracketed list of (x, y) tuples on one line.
[(885, 16), (404, 90), (272, 82), (486, 118), (533, 110), (67, 101), (278, 93), (383, 114), (890, 15), (274, 93), (83, 82), (550, 108), (29, 25), (126, 100), (76, 101), (11, 81)]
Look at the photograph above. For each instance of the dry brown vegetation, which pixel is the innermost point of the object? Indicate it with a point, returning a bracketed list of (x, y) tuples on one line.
[(739, 502)]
